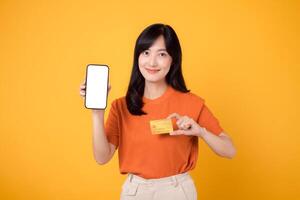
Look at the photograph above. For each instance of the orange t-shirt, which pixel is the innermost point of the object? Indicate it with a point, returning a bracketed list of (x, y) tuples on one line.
[(156, 156)]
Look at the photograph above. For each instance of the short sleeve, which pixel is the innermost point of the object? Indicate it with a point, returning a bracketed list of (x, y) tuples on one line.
[(209, 121), (112, 125)]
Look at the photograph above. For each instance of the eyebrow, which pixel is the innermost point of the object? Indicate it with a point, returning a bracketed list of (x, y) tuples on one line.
[(160, 49)]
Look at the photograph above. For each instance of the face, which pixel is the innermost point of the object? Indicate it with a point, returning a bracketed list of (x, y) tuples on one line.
[(155, 62)]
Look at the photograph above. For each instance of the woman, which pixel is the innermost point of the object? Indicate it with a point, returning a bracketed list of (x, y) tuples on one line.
[(157, 164)]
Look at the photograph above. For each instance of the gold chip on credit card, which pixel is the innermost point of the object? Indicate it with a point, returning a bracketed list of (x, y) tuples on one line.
[(161, 126)]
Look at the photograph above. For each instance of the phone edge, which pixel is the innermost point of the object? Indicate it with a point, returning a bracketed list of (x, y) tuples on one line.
[(86, 73)]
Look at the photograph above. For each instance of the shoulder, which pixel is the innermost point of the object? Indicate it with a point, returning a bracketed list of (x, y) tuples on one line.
[(119, 100), (119, 103), (190, 97)]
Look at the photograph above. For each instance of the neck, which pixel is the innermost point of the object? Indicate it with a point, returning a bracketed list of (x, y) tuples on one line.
[(154, 90)]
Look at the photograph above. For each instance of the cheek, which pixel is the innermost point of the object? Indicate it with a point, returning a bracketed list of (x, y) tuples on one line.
[(166, 70), (166, 64), (141, 64), (141, 61)]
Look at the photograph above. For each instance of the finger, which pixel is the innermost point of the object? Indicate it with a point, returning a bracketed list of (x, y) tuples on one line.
[(82, 93), (82, 86), (177, 132), (182, 121), (185, 127), (187, 124), (177, 116)]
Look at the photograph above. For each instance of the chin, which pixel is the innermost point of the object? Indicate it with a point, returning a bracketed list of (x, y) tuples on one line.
[(153, 80), (153, 77)]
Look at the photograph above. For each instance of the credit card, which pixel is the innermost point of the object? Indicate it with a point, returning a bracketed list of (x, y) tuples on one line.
[(161, 126)]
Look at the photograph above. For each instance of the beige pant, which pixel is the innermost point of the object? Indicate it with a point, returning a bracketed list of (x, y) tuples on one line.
[(178, 187)]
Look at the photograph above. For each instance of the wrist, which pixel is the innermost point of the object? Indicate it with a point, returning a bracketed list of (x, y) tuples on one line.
[(99, 113), (201, 132)]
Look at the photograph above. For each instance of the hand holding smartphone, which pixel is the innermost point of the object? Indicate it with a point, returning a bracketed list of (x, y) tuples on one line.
[(96, 86)]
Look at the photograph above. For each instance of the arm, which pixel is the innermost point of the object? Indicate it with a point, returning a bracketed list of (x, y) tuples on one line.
[(220, 144), (102, 149)]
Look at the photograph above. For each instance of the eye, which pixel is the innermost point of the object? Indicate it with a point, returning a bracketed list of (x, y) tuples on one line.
[(145, 53), (163, 54)]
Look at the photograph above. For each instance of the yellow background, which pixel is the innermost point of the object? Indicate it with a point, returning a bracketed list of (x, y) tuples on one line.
[(240, 56)]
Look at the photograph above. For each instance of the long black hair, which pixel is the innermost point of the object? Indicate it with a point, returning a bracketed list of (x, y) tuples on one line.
[(174, 78)]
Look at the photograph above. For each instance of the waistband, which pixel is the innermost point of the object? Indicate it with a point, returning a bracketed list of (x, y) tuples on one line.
[(170, 179)]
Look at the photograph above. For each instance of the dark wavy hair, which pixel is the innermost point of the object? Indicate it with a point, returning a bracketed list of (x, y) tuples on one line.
[(174, 78)]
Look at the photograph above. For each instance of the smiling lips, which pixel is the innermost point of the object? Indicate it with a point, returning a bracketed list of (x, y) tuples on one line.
[(152, 71)]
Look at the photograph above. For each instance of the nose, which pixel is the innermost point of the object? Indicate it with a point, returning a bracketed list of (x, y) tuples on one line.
[(152, 61)]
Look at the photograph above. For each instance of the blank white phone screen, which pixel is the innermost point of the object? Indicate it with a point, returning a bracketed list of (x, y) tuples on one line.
[(96, 86)]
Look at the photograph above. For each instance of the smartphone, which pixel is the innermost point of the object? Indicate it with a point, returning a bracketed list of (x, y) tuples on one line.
[(96, 90)]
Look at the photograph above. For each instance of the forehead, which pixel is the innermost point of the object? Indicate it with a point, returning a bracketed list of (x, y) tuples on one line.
[(159, 44)]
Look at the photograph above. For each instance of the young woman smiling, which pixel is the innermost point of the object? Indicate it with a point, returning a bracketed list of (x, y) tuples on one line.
[(157, 165)]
